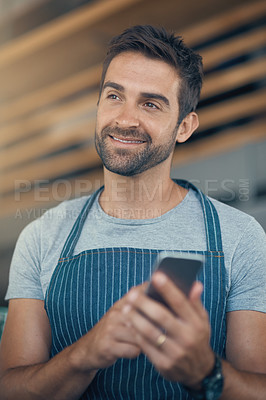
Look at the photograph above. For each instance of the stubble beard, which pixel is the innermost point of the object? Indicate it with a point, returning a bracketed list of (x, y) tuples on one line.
[(130, 162)]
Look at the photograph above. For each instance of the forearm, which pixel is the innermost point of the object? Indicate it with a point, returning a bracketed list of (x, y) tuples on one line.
[(59, 378), (242, 385)]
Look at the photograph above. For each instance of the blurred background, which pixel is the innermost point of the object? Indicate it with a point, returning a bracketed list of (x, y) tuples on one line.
[(50, 64)]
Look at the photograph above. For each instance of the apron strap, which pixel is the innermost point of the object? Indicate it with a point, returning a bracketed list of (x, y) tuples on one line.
[(73, 237), (211, 218)]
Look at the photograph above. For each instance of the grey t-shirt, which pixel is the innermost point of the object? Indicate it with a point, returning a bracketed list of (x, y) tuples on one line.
[(182, 228)]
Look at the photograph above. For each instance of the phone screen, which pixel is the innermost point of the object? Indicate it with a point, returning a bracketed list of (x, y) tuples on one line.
[(181, 268)]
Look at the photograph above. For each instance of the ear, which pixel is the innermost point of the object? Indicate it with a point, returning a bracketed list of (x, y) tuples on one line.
[(189, 124)]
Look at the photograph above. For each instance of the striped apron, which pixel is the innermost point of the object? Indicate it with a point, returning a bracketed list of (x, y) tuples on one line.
[(84, 286)]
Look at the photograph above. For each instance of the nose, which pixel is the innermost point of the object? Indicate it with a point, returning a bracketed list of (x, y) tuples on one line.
[(127, 117)]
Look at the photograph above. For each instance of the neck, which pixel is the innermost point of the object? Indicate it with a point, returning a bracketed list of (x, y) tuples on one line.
[(143, 196)]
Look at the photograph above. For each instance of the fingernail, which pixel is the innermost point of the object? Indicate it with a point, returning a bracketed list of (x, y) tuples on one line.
[(132, 295), (160, 278), (126, 309)]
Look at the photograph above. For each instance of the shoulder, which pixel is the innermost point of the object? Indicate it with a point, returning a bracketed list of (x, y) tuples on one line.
[(233, 219), (57, 219), (67, 210), (241, 233)]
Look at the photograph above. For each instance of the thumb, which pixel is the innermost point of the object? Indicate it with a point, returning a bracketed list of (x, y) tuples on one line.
[(196, 292)]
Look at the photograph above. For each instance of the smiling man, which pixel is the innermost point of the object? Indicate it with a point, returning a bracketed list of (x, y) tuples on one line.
[(80, 325)]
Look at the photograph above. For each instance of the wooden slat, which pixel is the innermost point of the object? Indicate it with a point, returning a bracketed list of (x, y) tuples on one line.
[(220, 143), (215, 26), (231, 110), (239, 75), (47, 95), (233, 47), (34, 200), (61, 28), (52, 167), (47, 143), (19, 9), (61, 114), (87, 78)]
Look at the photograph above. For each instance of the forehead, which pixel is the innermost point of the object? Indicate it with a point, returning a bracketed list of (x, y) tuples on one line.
[(135, 70)]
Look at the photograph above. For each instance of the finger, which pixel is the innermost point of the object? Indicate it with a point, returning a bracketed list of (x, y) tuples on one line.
[(162, 354), (173, 296), (156, 345), (195, 296), (143, 326), (176, 327), (150, 319), (190, 308), (156, 313), (147, 316), (142, 288), (125, 350), (157, 355), (125, 334), (196, 291), (119, 304)]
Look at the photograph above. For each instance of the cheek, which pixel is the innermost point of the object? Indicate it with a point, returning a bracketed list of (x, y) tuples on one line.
[(101, 119), (105, 116), (165, 131)]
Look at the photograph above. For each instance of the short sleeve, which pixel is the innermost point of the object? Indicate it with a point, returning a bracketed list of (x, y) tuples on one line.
[(248, 272), (24, 275)]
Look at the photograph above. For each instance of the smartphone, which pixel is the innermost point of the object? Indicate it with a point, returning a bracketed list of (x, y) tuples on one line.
[(181, 268)]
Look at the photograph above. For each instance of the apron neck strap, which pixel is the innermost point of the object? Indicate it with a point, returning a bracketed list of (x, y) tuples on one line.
[(74, 235), (211, 218)]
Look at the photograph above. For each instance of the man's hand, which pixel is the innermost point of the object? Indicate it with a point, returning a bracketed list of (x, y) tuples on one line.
[(26, 370), (111, 338), (185, 356)]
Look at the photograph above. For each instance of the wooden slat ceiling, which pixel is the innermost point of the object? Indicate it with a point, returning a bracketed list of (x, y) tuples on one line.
[(78, 40), (49, 81)]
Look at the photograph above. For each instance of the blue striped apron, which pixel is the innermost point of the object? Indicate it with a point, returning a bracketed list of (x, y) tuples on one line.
[(84, 286)]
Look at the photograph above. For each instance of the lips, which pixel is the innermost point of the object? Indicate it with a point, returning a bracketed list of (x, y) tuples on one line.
[(127, 140), (125, 137)]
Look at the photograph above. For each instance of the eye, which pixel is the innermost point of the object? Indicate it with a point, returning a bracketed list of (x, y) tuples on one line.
[(148, 104), (113, 97)]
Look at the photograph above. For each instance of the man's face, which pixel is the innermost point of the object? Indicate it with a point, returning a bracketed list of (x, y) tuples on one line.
[(137, 114)]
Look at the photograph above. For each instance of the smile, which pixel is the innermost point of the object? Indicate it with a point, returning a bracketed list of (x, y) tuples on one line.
[(127, 141)]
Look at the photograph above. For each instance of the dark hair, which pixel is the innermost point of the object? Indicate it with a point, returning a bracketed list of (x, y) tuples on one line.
[(157, 43)]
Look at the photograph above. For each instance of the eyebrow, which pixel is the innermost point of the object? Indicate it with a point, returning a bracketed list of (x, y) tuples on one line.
[(156, 96), (149, 95), (114, 86)]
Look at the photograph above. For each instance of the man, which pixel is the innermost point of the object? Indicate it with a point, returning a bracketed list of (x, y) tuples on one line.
[(80, 324)]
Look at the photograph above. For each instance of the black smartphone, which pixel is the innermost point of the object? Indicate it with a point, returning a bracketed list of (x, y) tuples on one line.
[(181, 268)]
